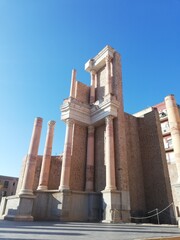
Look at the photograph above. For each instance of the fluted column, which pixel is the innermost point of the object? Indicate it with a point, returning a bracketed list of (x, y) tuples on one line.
[(174, 123), (66, 163), (108, 87), (45, 167), (73, 83), (92, 89), (90, 160), (109, 155), (28, 179)]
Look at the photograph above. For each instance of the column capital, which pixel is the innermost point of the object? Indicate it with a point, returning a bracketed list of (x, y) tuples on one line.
[(51, 123), (93, 72), (108, 59), (38, 121), (109, 118), (69, 121), (90, 129)]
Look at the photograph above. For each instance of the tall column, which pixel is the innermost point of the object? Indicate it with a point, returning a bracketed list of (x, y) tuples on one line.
[(73, 83), (92, 90), (109, 155), (66, 163), (28, 179), (174, 123), (90, 160), (108, 88), (45, 167)]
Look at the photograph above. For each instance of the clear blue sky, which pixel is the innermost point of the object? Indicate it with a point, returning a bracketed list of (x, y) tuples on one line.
[(42, 40)]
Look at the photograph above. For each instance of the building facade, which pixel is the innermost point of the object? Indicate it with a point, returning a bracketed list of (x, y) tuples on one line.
[(8, 186), (113, 166)]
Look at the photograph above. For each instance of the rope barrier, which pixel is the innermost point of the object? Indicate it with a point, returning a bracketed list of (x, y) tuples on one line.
[(154, 214)]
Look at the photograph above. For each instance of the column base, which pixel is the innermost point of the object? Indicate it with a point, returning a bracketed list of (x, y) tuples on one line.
[(42, 188), (25, 192), (64, 188)]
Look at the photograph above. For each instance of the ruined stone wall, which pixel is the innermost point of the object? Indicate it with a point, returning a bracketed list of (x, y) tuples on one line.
[(100, 171), (135, 171), (82, 92), (101, 82), (119, 132), (55, 172), (78, 159), (37, 172), (156, 178)]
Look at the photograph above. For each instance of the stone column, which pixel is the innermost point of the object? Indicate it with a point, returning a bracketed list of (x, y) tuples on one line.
[(92, 90), (73, 83), (45, 167), (90, 160), (108, 87), (109, 155), (66, 163), (30, 168), (174, 123)]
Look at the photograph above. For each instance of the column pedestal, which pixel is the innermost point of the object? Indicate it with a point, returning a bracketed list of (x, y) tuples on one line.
[(115, 210), (18, 208)]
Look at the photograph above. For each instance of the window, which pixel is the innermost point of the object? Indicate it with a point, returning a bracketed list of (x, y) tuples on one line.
[(6, 184), (163, 113), (168, 143), (165, 127), (170, 157)]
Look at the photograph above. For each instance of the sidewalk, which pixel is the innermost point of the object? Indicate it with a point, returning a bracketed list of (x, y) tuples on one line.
[(85, 231)]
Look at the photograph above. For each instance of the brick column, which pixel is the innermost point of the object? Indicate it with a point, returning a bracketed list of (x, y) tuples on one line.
[(109, 155), (90, 160), (73, 83), (30, 168), (108, 87), (92, 89), (174, 123), (66, 163), (45, 167)]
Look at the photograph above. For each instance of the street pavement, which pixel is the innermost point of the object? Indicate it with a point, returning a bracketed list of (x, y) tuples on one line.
[(85, 231)]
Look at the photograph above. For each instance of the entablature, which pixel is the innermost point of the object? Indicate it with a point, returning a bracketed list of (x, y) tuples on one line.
[(86, 114)]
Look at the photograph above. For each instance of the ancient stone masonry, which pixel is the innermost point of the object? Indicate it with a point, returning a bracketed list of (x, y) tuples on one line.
[(113, 166)]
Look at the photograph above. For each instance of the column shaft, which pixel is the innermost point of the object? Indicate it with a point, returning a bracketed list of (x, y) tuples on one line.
[(66, 163), (90, 160), (174, 123), (108, 88), (28, 179), (109, 155), (73, 83), (92, 89), (46, 161)]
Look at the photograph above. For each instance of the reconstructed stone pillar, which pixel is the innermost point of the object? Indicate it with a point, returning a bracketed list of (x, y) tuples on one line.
[(108, 87), (28, 179), (109, 155), (92, 91), (90, 160), (66, 163), (45, 168), (73, 83), (174, 123)]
